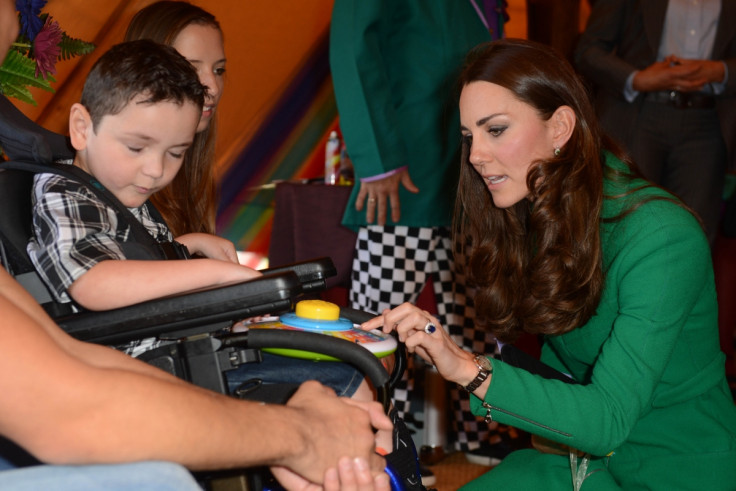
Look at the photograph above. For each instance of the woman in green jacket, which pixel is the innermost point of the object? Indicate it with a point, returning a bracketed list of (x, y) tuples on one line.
[(570, 243)]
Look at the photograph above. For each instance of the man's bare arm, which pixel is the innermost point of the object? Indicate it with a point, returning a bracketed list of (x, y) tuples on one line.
[(95, 405)]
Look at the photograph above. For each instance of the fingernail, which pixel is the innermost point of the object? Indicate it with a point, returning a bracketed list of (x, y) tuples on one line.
[(361, 464)]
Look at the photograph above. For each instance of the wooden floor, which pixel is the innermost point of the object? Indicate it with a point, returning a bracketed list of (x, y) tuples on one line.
[(453, 471)]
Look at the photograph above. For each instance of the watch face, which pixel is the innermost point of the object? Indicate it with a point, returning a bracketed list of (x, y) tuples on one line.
[(483, 362)]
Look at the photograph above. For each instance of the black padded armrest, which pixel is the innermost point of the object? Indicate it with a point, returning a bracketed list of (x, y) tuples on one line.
[(201, 311), (312, 274)]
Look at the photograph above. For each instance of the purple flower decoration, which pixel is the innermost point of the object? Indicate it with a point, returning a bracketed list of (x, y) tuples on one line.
[(46, 48), (30, 22)]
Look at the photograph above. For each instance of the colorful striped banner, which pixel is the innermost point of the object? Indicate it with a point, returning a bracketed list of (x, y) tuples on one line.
[(289, 145)]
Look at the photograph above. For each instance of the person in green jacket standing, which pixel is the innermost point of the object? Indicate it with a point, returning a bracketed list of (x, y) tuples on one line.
[(394, 64), (569, 242)]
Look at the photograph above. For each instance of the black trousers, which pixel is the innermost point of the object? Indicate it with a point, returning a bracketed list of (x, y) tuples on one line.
[(683, 151)]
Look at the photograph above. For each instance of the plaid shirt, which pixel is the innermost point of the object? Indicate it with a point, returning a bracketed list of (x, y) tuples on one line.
[(73, 230)]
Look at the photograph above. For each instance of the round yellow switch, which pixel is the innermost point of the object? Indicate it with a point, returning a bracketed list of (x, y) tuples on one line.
[(317, 309)]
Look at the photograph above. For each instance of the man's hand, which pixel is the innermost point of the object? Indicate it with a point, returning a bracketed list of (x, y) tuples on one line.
[(709, 70), (678, 74), (332, 428), (378, 195)]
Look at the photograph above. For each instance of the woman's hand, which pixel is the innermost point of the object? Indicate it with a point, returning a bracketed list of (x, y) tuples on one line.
[(422, 334), (210, 246)]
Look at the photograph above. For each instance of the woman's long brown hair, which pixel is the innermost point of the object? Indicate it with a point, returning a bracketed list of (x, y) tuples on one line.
[(189, 203), (537, 265)]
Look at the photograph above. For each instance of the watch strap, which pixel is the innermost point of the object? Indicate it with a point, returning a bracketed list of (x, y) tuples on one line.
[(483, 374)]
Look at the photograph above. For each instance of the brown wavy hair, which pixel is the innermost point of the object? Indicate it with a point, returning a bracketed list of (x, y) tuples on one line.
[(189, 203), (536, 266)]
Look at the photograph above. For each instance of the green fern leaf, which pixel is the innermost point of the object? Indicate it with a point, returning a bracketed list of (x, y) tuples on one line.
[(15, 81), (71, 47), (19, 70), (17, 73), (18, 65), (18, 92)]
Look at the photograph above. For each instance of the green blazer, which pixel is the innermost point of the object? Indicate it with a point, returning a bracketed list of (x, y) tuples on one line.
[(653, 405), (394, 66)]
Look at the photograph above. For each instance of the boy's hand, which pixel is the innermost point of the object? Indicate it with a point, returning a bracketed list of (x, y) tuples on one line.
[(350, 475), (210, 246)]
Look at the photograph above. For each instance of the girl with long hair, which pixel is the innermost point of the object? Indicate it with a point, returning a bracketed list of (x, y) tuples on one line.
[(189, 203)]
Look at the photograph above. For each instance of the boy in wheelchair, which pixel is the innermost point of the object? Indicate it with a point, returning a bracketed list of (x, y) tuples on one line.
[(139, 110)]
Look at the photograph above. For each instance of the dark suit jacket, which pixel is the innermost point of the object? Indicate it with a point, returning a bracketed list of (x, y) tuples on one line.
[(623, 36)]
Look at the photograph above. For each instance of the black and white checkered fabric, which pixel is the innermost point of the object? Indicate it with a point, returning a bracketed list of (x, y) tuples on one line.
[(391, 266)]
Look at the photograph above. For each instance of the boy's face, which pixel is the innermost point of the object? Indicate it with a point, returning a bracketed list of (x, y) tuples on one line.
[(136, 152)]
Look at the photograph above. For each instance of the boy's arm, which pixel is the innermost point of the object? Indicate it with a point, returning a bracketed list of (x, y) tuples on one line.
[(59, 409), (78, 252), (119, 283)]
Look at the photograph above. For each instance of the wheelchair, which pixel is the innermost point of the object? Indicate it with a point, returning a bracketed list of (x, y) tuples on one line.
[(200, 347)]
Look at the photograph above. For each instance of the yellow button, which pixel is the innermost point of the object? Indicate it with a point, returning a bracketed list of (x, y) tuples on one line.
[(317, 309)]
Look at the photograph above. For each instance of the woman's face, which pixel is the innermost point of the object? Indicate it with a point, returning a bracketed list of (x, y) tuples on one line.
[(202, 45), (506, 135)]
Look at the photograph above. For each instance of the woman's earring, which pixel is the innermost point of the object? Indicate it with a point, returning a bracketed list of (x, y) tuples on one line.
[(557, 151)]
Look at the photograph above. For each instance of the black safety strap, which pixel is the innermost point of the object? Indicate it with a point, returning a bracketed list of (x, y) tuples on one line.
[(139, 232)]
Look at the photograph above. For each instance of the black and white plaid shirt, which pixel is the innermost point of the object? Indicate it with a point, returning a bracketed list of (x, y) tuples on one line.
[(73, 230)]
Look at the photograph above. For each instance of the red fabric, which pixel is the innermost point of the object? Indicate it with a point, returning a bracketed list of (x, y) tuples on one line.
[(724, 264), (307, 225)]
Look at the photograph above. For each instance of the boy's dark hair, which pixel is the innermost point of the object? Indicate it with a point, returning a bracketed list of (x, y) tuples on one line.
[(141, 67)]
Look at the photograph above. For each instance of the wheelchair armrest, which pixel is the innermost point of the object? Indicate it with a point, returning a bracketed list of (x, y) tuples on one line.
[(401, 361), (312, 274), (202, 311)]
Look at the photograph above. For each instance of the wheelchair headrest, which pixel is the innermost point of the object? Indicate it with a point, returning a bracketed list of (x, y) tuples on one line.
[(23, 139), (15, 219)]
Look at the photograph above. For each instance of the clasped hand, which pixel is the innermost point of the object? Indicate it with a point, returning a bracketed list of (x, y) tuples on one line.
[(681, 74)]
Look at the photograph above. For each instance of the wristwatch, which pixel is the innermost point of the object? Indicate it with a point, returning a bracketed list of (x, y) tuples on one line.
[(484, 370)]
